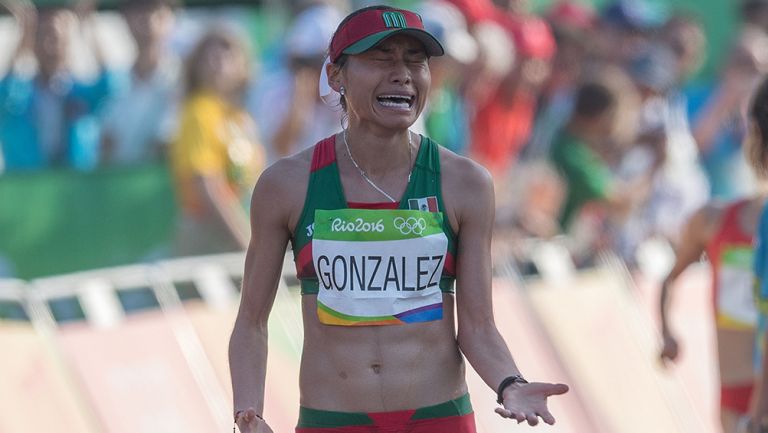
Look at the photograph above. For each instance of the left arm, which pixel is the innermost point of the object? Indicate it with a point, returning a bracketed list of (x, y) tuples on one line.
[(478, 337)]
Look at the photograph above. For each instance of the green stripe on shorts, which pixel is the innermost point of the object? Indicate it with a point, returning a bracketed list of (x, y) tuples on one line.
[(458, 407), (315, 418)]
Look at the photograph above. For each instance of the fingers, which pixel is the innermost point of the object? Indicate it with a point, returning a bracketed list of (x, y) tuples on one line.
[(559, 389), (247, 420), (547, 417), (665, 360), (668, 358), (531, 417), (506, 413), (249, 415)]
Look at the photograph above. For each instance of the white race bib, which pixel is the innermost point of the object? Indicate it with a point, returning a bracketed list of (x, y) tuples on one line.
[(735, 297), (378, 267)]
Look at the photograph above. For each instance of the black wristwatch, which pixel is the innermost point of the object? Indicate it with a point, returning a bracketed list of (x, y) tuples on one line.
[(505, 383)]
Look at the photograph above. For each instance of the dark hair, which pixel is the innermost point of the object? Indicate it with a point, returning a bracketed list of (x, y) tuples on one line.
[(752, 7), (758, 115), (342, 60), (593, 99)]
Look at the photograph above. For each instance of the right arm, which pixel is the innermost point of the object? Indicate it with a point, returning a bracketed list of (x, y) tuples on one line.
[(723, 105), (263, 265), (696, 236)]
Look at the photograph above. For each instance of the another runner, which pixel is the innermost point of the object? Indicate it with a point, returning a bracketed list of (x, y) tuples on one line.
[(725, 231), (381, 221), (757, 147)]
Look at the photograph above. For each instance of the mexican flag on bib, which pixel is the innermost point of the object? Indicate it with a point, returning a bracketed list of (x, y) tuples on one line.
[(378, 267)]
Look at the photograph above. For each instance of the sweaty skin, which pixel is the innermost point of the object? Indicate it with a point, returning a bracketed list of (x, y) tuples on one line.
[(391, 367)]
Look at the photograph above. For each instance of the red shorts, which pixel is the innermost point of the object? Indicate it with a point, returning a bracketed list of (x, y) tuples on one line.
[(453, 416), (736, 398)]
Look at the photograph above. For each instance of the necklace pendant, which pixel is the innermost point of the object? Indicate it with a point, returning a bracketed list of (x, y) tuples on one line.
[(365, 176)]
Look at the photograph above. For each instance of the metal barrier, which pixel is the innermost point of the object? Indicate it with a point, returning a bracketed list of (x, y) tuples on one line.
[(105, 299), (117, 330)]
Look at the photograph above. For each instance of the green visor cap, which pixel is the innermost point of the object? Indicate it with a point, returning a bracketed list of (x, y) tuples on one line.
[(431, 45)]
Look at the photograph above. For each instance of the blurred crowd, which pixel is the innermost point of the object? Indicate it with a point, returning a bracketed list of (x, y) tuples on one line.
[(591, 121)]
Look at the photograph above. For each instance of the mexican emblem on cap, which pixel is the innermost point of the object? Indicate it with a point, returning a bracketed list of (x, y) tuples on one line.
[(394, 19)]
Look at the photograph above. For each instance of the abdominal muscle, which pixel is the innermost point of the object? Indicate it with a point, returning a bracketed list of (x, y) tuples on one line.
[(379, 368)]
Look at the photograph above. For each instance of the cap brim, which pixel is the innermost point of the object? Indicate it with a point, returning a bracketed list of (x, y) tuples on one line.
[(432, 46)]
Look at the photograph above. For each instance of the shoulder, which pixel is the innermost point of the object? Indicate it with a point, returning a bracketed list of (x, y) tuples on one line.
[(706, 221), (284, 174), (711, 212), (467, 186), (202, 109), (283, 185), (460, 170)]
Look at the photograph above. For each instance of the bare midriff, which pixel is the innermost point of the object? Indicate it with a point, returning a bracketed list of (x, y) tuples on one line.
[(379, 368)]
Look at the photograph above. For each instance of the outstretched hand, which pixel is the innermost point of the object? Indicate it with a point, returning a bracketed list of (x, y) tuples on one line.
[(248, 421), (528, 401)]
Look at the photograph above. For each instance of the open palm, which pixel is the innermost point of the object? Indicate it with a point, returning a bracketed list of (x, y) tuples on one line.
[(528, 402)]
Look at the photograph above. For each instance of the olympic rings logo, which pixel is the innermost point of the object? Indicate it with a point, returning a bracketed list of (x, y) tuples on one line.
[(410, 225)]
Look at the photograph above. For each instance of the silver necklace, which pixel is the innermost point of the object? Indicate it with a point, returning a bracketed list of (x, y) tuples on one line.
[(368, 179)]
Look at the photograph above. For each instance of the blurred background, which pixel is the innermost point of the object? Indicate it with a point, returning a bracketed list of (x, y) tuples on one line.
[(132, 132)]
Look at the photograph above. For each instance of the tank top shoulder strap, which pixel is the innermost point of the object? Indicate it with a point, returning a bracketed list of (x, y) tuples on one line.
[(429, 157), (425, 178), (324, 189), (425, 183), (324, 154)]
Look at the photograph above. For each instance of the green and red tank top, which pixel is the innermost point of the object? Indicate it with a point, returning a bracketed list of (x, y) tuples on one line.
[(325, 192), (731, 253)]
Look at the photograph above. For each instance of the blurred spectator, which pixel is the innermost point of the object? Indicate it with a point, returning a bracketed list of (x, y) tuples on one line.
[(446, 112), (584, 153), (495, 59), (625, 27), (516, 7), (138, 122), (474, 11), (573, 28), (48, 117), (685, 37), (653, 73), (215, 156), (503, 123), (679, 185), (287, 103), (535, 200), (717, 117)]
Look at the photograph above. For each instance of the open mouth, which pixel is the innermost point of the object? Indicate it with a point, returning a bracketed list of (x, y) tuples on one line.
[(401, 102)]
